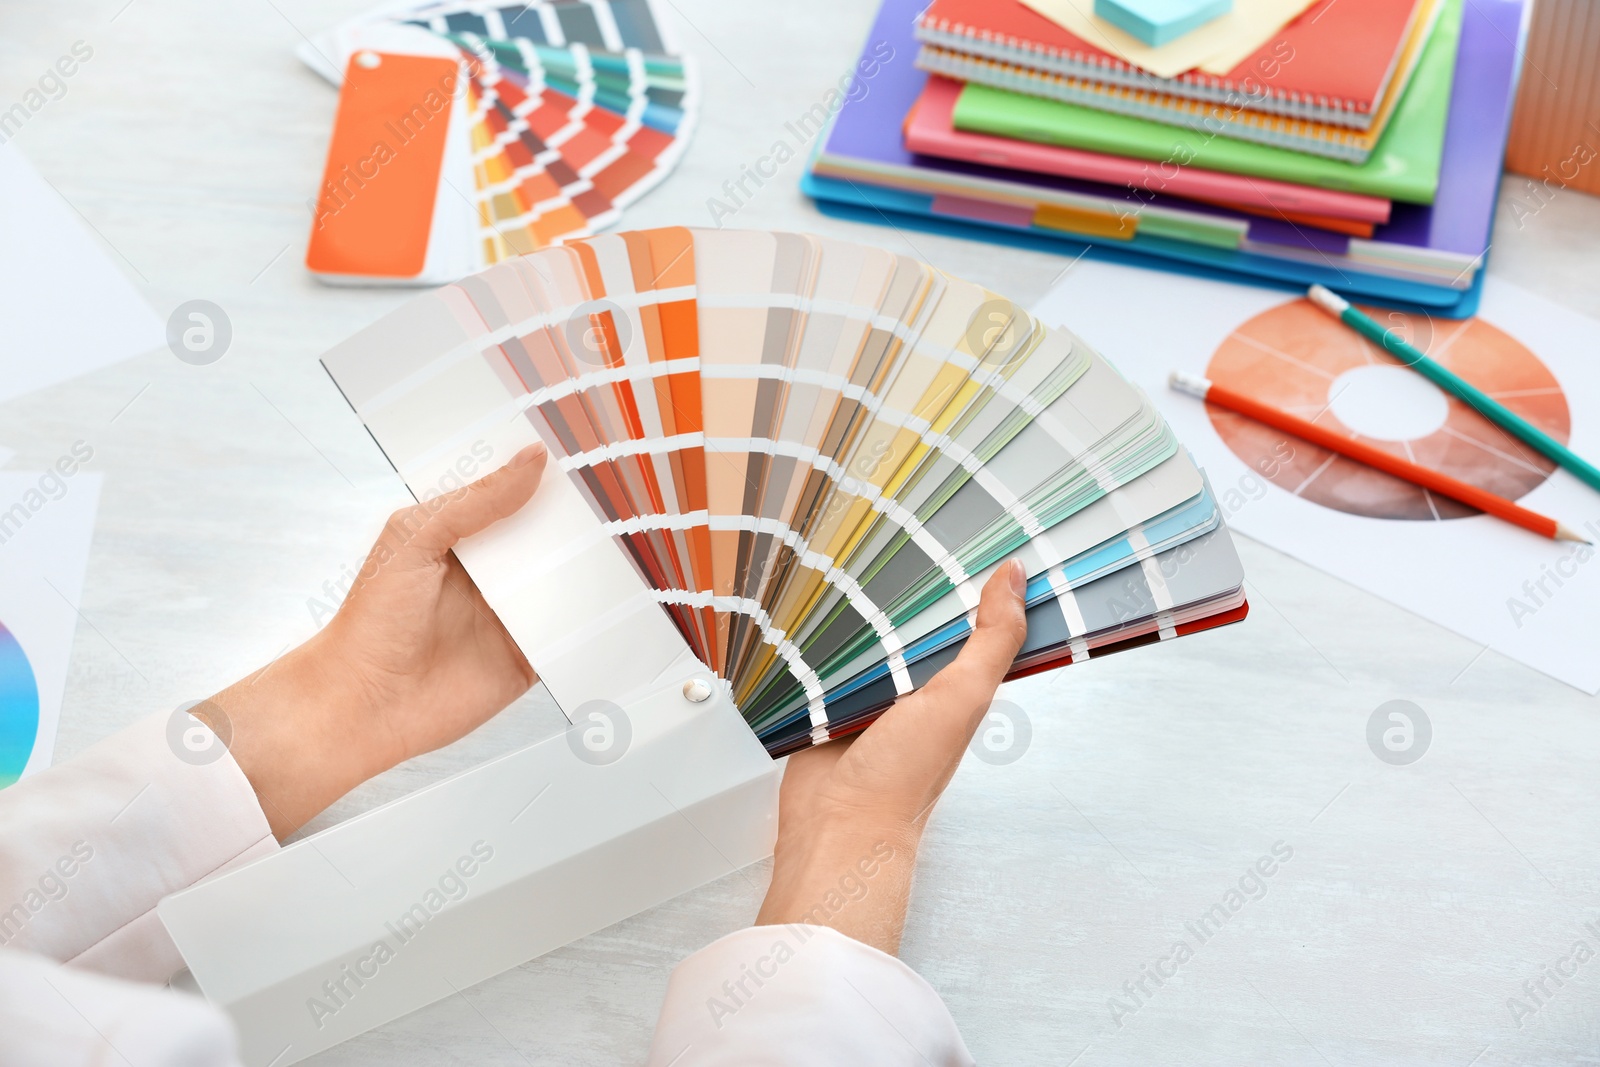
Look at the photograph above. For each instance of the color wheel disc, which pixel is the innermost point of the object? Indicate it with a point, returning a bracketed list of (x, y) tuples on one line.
[(19, 708), (1296, 358)]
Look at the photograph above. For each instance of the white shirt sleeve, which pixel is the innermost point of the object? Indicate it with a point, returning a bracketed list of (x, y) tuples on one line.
[(88, 847), (801, 996), (55, 1016)]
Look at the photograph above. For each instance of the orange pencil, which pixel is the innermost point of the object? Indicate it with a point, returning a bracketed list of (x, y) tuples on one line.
[(1443, 484)]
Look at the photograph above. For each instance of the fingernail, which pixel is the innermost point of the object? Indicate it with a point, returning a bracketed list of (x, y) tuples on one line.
[(1019, 578), (527, 455)]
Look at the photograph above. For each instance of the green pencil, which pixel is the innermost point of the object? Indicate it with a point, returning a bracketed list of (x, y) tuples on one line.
[(1486, 405)]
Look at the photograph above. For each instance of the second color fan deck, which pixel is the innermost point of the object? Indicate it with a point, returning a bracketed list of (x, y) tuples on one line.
[(497, 129), (813, 453)]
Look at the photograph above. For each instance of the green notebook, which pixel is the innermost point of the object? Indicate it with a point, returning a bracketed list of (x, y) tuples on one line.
[(1404, 165)]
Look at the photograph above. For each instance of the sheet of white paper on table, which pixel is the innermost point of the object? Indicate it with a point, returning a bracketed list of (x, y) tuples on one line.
[(65, 307), (46, 527), (1478, 576)]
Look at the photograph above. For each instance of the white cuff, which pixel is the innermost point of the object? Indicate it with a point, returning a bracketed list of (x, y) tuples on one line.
[(54, 1016), (798, 996), (88, 847)]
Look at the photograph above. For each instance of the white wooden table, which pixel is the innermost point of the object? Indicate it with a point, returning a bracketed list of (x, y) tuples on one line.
[(1418, 898)]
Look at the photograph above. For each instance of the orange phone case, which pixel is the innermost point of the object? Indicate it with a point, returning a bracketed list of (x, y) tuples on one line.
[(376, 205)]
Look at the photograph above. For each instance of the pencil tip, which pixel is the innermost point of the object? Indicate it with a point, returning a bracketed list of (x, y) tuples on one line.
[(1564, 533)]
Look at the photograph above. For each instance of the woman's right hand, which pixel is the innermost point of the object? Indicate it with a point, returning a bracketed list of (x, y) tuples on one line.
[(851, 812)]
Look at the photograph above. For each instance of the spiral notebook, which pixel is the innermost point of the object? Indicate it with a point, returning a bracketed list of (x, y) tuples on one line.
[(794, 458), (1239, 120), (1405, 164), (1332, 64)]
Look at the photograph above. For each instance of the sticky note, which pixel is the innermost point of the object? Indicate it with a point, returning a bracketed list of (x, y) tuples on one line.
[(1155, 22)]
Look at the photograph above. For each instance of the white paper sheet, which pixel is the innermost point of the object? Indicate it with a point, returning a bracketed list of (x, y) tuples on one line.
[(65, 307), (46, 525), (1534, 600)]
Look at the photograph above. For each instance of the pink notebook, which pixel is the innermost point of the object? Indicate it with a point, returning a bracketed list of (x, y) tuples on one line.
[(929, 130)]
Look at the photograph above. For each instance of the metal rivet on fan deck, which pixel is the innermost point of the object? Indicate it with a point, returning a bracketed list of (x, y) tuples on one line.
[(696, 690)]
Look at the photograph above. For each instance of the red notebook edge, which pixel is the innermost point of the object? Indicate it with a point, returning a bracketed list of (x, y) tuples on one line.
[(1324, 59)]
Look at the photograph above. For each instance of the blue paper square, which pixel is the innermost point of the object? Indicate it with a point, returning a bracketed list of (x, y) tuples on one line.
[(1156, 22)]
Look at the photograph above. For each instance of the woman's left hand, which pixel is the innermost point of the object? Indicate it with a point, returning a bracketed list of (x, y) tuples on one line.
[(413, 660)]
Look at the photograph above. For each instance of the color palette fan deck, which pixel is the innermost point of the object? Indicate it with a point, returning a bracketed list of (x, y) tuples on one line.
[(812, 454), (504, 128)]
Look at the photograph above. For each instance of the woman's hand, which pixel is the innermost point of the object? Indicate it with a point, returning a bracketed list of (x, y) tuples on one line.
[(851, 812), (414, 660)]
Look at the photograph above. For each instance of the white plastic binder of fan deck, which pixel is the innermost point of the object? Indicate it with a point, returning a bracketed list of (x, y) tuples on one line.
[(412, 902)]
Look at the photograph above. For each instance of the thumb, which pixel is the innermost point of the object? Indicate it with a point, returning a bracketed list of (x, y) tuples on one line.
[(960, 694), (436, 525), (929, 729)]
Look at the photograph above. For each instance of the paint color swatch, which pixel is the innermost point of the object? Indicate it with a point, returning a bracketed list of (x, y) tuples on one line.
[(811, 454)]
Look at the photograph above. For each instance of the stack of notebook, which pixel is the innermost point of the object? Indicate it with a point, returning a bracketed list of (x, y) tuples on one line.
[(811, 453), (1357, 146), (1327, 83)]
